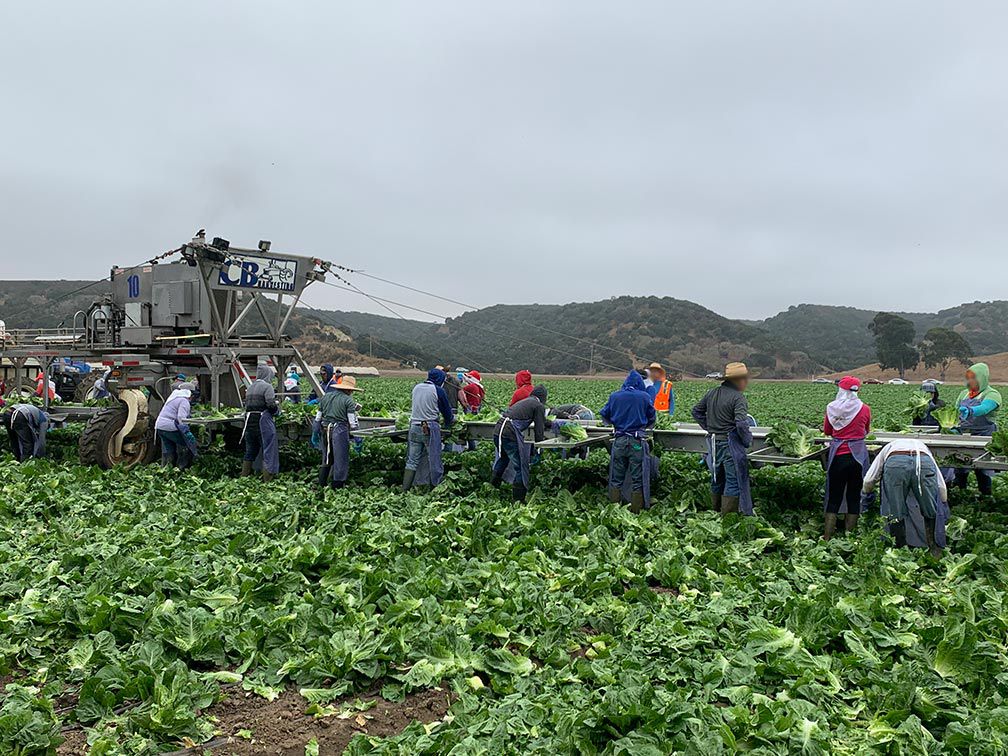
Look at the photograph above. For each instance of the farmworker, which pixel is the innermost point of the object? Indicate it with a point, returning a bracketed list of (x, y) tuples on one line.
[(646, 375), (660, 390), (931, 389), (848, 423), (259, 433), (100, 389), (328, 378), (514, 453), (453, 390), (631, 412), (423, 456), (40, 383), (336, 417), (473, 391), (292, 386), (978, 407), (26, 427), (914, 495), (724, 413), (572, 412), (178, 445), (523, 384)]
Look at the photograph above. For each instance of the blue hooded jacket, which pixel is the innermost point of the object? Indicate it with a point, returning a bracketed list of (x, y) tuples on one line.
[(429, 400), (631, 408)]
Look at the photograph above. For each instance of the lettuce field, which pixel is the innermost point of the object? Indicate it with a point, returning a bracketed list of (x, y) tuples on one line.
[(151, 611)]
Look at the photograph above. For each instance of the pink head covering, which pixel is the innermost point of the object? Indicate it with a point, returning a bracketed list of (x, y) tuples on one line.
[(842, 410)]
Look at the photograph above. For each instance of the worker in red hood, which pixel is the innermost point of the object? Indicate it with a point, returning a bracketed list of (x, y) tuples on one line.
[(523, 381)]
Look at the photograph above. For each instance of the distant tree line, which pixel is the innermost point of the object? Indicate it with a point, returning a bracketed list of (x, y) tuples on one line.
[(896, 349)]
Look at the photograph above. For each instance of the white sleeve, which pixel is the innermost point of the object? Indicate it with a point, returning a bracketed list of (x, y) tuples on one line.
[(871, 479), (942, 488)]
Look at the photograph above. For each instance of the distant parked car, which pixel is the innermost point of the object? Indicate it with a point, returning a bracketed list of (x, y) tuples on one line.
[(872, 381), (935, 381), (897, 382), (821, 380), (714, 376)]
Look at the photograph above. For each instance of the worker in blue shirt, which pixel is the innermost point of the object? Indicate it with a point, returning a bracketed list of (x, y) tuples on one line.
[(631, 412)]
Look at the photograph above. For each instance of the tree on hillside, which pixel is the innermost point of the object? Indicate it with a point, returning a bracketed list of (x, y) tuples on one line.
[(941, 347), (894, 347)]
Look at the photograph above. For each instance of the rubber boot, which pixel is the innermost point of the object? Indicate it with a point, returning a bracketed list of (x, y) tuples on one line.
[(898, 531), (518, 492), (407, 479), (850, 523), (246, 469), (615, 495), (933, 548), (637, 502), (829, 525), (267, 476), (496, 478), (729, 504), (715, 500)]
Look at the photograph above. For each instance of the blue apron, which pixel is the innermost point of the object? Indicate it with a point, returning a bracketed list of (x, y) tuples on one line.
[(740, 457), (430, 471), (518, 428), (269, 457), (38, 424), (913, 523), (649, 471), (859, 450), (336, 451), (977, 426)]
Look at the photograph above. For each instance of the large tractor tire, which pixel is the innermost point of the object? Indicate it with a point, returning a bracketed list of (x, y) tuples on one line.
[(85, 388), (96, 442)]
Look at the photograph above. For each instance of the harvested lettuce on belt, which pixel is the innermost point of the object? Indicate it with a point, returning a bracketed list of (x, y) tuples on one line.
[(793, 439), (947, 417)]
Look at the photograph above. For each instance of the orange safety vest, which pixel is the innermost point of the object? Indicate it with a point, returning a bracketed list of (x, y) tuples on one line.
[(661, 400)]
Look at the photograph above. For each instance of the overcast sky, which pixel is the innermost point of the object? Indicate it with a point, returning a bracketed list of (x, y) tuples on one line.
[(745, 155)]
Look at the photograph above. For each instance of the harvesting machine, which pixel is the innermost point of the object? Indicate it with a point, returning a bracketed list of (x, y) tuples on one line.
[(169, 317)]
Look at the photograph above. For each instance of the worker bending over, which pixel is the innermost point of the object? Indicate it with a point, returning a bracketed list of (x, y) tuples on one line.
[(660, 389), (423, 455), (978, 408), (261, 445), (336, 417), (26, 427), (178, 445), (514, 453), (913, 494), (848, 423), (724, 414), (631, 412), (523, 386)]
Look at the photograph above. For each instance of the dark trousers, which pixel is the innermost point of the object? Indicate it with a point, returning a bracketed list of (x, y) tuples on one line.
[(253, 438), (984, 480), (174, 450), (627, 454), (845, 474), (22, 440)]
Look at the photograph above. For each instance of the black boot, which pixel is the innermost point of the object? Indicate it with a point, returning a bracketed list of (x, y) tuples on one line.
[(898, 532), (496, 478), (929, 533), (729, 504), (715, 500), (637, 502), (518, 492), (829, 525), (407, 479), (615, 495)]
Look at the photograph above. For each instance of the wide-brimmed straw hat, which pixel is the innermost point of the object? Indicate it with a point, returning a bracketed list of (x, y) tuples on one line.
[(348, 383), (736, 370)]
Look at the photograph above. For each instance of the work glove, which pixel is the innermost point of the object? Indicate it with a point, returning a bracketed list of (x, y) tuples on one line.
[(316, 435), (965, 413)]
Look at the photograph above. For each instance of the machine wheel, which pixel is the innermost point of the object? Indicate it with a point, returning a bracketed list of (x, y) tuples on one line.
[(27, 392), (85, 386), (95, 446)]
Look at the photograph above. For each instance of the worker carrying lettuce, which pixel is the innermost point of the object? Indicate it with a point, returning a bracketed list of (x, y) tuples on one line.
[(978, 408), (336, 417), (630, 411), (259, 434), (724, 413), (660, 390), (914, 494), (934, 402), (423, 454), (26, 427), (847, 423), (178, 445), (513, 453)]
